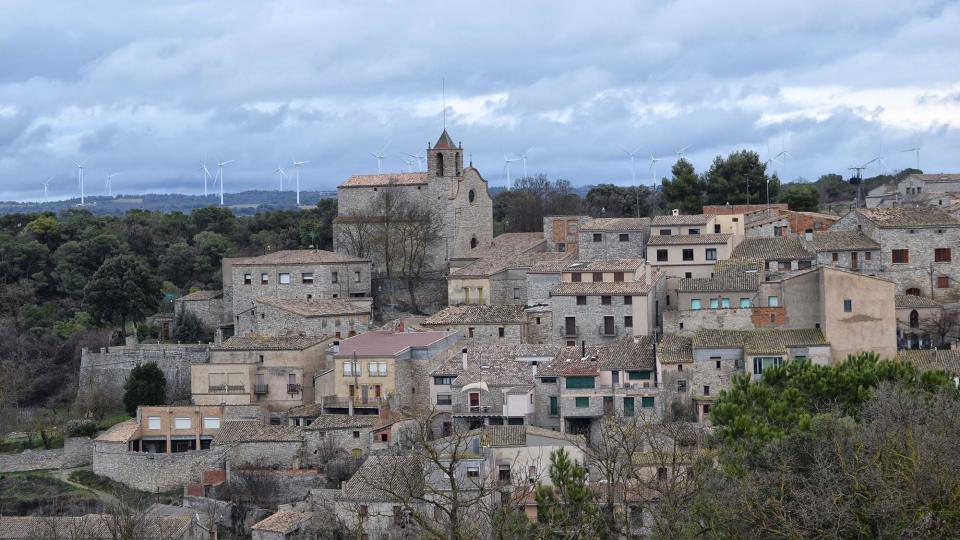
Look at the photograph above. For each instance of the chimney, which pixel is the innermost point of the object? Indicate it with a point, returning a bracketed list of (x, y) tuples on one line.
[(583, 349), (676, 212), (463, 357), (808, 235)]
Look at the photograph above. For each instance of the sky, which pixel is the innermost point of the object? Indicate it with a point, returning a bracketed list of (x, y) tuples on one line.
[(150, 90)]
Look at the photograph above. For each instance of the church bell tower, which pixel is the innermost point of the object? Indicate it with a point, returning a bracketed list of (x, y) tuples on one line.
[(444, 158)]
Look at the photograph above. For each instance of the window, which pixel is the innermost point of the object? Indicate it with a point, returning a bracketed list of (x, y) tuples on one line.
[(575, 277), (725, 303), (847, 306), (306, 277), (693, 231), (500, 332), (744, 302), (473, 472), (647, 402), (706, 390), (638, 375), (627, 321), (867, 255), (716, 228), (581, 382), (377, 369), (688, 275), (943, 282), (624, 237), (714, 303), (597, 237), (581, 300), (662, 255), (681, 384), (711, 254), (153, 422), (688, 254), (516, 293), (679, 367), (356, 434), (471, 196), (914, 319), (773, 301), (628, 300), (211, 422), (548, 380), (356, 277), (695, 303), (719, 362), (835, 256), (443, 381), (628, 406), (561, 247), (284, 278), (538, 320), (665, 232), (914, 291), (783, 266), (618, 276), (900, 256), (264, 278), (334, 277), (941, 255), (606, 300), (181, 422), (470, 332), (582, 402), (761, 363), (247, 279), (597, 276), (554, 406), (348, 368)]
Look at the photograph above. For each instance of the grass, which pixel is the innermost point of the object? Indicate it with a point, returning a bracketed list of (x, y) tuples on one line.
[(127, 495), (38, 492), (32, 442), (110, 421)]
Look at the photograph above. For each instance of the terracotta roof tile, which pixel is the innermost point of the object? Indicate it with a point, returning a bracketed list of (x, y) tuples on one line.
[(283, 522), (122, 432), (297, 256), (759, 341), (841, 241), (932, 359), (385, 179), (904, 217), (382, 343), (320, 307), (607, 265), (912, 301), (477, 314), (775, 248), (269, 343), (634, 288), (674, 349), (616, 224), (245, 431), (630, 353), (671, 220)]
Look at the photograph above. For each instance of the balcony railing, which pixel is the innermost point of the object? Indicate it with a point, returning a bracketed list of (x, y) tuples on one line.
[(226, 389), (218, 388), (344, 402), (463, 408), (237, 389), (294, 388), (260, 389), (570, 332), (607, 332)]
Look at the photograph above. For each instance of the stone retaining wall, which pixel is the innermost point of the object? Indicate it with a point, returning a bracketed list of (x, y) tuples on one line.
[(150, 472), (108, 368), (76, 452)]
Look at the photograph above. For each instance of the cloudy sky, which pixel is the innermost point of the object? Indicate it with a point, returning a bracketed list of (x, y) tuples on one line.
[(150, 90)]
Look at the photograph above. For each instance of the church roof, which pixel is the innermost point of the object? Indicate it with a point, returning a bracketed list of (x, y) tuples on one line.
[(444, 141), (385, 179)]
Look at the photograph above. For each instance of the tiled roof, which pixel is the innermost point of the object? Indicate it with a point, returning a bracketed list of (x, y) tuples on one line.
[(326, 422), (506, 243), (582, 288), (841, 241), (246, 431), (269, 343), (683, 239), (501, 436), (722, 282), (500, 261), (320, 307), (385, 179), (775, 248), (201, 295), (932, 359), (381, 343), (733, 209), (696, 219), (496, 365), (552, 266), (759, 341), (935, 177), (477, 314), (385, 478), (674, 349), (738, 265), (901, 216), (627, 353), (606, 265), (616, 224), (912, 301), (569, 362), (283, 522), (445, 142), (122, 432), (307, 410), (297, 256)]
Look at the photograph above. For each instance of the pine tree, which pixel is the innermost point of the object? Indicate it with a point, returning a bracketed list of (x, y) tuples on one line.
[(146, 386), (685, 190), (567, 508)]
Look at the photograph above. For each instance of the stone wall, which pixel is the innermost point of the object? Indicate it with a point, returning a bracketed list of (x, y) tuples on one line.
[(151, 472), (486, 334), (267, 320), (210, 311), (262, 454), (610, 246), (76, 452), (589, 319), (282, 486), (107, 369), (687, 322), (539, 326), (430, 294)]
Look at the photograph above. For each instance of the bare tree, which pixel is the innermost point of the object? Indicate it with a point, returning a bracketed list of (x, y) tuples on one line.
[(943, 327)]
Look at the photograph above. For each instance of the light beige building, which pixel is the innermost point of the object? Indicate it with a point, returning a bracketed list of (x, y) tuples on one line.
[(274, 372), (163, 429)]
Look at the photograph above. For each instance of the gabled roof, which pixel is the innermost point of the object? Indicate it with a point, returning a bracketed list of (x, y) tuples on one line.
[(496, 365), (269, 343), (841, 241), (734, 209), (247, 431), (283, 522), (684, 239), (382, 343), (772, 341), (385, 179), (671, 220), (616, 224), (675, 349), (511, 435), (320, 307), (773, 248), (477, 314), (606, 265), (122, 432), (932, 359), (583, 288), (444, 142), (201, 295), (386, 478), (326, 422), (906, 217), (629, 353), (935, 177), (297, 256), (912, 301), (569, 362), (722, 282)]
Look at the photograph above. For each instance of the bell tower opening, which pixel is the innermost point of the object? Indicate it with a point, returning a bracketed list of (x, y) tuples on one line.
[(445, 157)]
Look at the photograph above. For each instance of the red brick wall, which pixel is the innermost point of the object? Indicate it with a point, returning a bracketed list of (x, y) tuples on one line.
[(211, 478), (761, 317), (801, 222)]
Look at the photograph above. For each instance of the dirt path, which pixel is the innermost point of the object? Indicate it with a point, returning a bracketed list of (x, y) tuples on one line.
[(107, 499)]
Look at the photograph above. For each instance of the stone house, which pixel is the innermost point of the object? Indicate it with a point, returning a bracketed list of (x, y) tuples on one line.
[(732, 218), (283, 525), (305, 273), (782, 222), (274, 372), (851, 250), (689, 255), (330, 434), (487, 324), (280, 317), (613, 238), (205, 305), (780, 253), (562, 233), (915, 189), (916, 247), (457, 197), (676, 224), (696, 369), (252, 445), (917, 321), (380, 368)]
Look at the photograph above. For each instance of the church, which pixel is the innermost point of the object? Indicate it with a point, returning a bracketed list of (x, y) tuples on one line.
[(458, 198)]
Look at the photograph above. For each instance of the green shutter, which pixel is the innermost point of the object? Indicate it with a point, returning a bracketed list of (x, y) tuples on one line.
[(628, 406), (554, 406), (639, 375), (646, 402), (583, 402), (580, 382)]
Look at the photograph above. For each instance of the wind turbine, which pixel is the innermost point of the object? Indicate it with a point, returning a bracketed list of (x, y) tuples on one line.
[(633, 168), (80, 167), (506, 166), (879, 160), (296, 168), (408, 162), (681, 151), (380, 157), (523, 158), (206, 175), (653, 167), (46, 184), (420, 159), (783, 153), (109, 184), (220, 165), (282, 175), (915, 149)]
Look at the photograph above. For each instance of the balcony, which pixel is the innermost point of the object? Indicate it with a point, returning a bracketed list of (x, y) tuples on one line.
[(294, 388), (337, 402), (227, 389), (260, 389), (477, 410), (237, 389), (570, 332), (607, 332)]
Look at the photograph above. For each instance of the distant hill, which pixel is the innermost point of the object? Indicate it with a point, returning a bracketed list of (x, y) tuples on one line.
[(242, 203)]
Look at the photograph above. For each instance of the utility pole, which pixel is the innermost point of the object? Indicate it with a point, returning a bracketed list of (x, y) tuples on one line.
[(859, 178)]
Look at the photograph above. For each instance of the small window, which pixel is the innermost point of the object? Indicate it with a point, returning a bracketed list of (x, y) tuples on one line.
[(264, 278), (706, 390), (516, 293), (681, 384), (582, 402), (581, 300), (647, 402), (693, 231), (283, 278), (306, 277), (575, 277), (725, 303), (867, 255), (688, 254), (334, 277), (624, 237), (716, 228), (444, 399), (773, 301), (597, 277), (153, 422), (538, 320), (688, 275), (356, 277), (606, 300), (597, 237), (247, 279), (680, 368), (628, 321), (627, 300), (470, 332), (181, 422), (471, 195), (836, 256), (501, 332), (666, 232), (941, 255), (943, 282), (695, 303), (211, 422), (443, 380), (473, 472), (847, 306), (718, 363), (711, 254), (618, 276), (348, 368), (900, 256), (744, 302), (714, 303), (662, 255), (356, 434)]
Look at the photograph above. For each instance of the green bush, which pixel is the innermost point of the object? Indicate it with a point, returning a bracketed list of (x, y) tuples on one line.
[(80, 428), (147, 331), (146, 386)]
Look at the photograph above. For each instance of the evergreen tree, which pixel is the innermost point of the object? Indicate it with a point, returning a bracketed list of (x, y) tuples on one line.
[(146, 386), (800, 197), (567, 509), (741, 178), (190, 328), (122, 289), (685, 190)]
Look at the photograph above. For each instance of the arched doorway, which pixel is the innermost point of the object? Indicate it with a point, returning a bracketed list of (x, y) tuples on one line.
[(914, 319)]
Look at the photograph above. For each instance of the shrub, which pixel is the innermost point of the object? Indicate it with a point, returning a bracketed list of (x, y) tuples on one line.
[(80, 428), (146, 386)]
